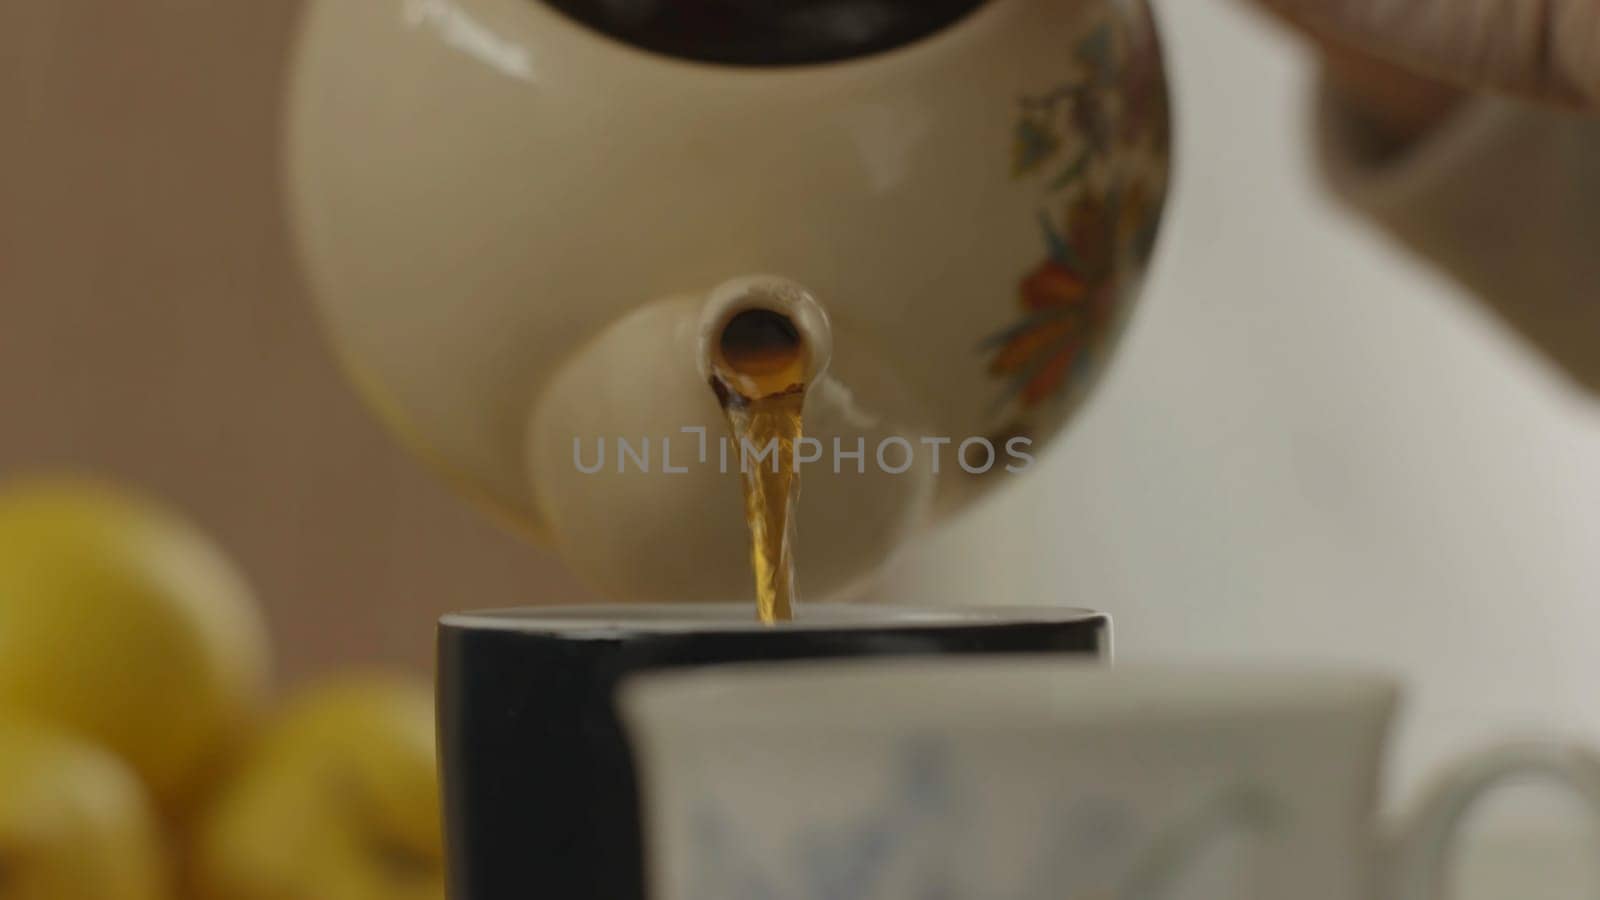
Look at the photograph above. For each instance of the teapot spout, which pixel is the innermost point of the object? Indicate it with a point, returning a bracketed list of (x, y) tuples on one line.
[(763, 334), (625, 446), (631, 464)]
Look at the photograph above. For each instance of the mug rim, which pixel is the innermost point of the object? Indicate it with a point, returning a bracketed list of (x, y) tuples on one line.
[(965, 694), (625, 619)]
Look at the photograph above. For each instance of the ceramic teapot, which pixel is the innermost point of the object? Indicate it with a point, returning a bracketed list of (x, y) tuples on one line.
[(525, 221)]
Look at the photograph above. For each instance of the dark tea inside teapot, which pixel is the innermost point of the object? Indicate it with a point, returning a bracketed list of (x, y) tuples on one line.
[(767, 32)]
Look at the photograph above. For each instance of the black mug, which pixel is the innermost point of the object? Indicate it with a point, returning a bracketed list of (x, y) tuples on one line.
[(540, 798)]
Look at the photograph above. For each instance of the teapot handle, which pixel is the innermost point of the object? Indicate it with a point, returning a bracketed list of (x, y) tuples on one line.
[(1419, 855)]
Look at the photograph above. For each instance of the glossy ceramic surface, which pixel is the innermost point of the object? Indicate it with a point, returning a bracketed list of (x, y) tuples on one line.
[(1044, 780), (511, 221)]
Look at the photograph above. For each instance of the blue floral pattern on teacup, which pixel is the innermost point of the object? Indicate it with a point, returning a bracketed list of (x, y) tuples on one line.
[(909, 845)]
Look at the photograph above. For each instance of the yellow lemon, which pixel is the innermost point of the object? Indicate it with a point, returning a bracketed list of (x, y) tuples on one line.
[(122, 622), (75, 823), (339, 801)]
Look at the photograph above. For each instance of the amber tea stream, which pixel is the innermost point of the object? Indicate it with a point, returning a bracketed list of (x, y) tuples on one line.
[(759, 375)]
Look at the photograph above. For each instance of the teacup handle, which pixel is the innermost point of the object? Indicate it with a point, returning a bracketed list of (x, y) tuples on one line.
[(1420, 852)]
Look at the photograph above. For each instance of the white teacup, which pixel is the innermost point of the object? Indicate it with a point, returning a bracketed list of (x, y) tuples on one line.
[(1041, 780)]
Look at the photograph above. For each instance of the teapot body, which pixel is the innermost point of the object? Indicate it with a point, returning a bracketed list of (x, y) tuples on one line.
[(484, 192)]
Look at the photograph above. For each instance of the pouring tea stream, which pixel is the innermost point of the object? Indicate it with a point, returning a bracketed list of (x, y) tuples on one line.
[(765, 343)]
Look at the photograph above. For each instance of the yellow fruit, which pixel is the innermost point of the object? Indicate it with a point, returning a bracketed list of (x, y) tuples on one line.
[(75, 823), (122, 622), (338, 802)]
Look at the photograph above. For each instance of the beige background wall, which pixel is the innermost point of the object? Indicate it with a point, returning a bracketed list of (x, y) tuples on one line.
[(152, 326)]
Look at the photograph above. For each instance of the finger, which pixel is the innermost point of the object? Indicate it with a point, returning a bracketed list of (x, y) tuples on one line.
[(1548, 49)]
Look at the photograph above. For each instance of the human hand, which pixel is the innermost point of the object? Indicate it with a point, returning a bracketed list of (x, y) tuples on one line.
[(1543, 49), (1402, 66)]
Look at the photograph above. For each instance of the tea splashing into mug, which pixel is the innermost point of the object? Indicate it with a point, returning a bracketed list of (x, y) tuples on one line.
[(759, 375)]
